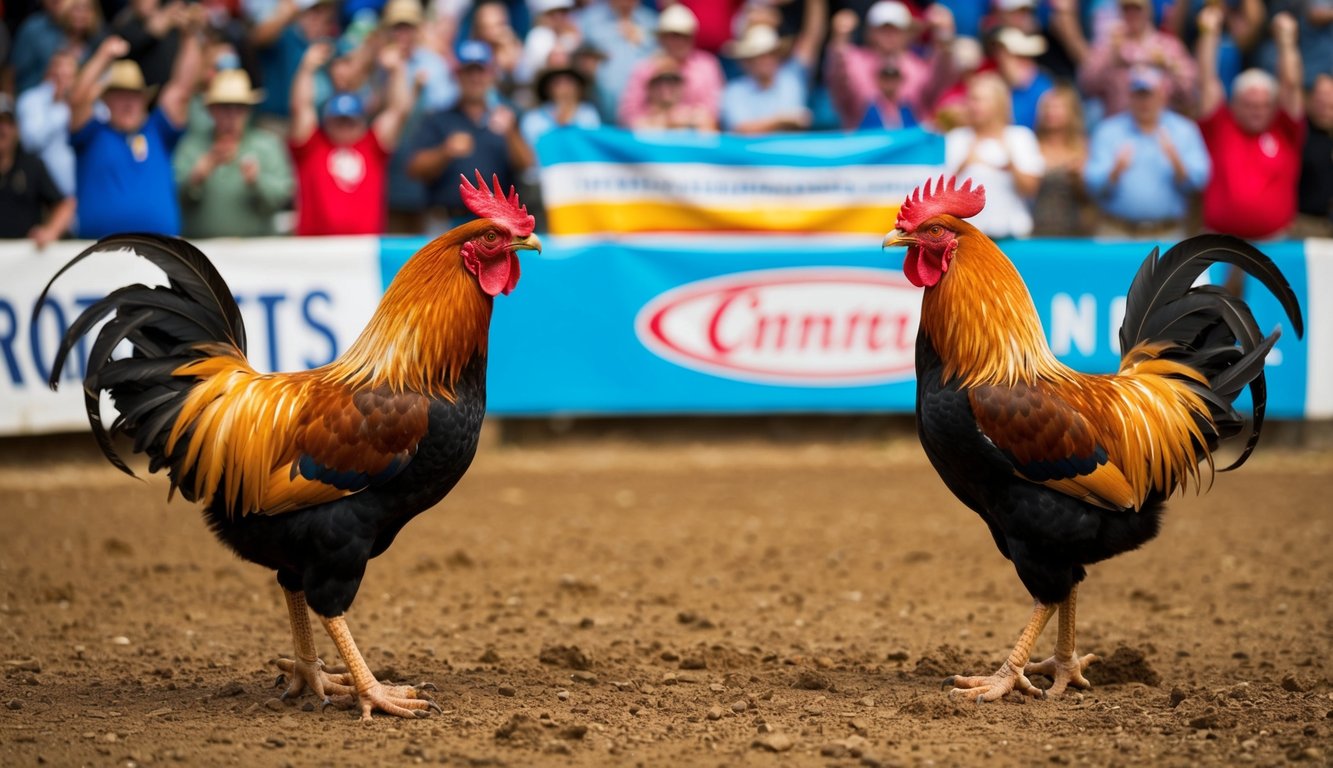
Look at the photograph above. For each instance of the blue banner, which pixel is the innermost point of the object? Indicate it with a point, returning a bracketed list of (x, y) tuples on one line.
[(787, 324)]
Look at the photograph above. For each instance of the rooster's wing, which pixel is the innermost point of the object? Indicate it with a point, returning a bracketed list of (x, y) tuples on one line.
[(1048, 441)]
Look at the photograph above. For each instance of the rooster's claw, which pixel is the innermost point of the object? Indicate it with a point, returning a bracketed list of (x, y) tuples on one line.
[(948, 682), (427, 687), (280, 681)]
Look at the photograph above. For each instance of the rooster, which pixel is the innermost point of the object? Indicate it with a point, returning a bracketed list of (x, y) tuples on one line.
[(1069, 469), (310, 473)]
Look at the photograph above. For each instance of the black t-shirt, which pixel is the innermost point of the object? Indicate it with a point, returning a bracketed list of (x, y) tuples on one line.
[(26, 190), (1316, 188)]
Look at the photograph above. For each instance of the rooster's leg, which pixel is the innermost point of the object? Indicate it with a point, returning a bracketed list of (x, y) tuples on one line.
[(1010, 675), (306, 670), (371, 694), (1065, 668)]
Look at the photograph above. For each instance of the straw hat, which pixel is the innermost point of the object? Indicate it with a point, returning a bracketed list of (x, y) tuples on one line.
[(757, 40), (125, 75), (402, 12), (677, 19), (232, 86)]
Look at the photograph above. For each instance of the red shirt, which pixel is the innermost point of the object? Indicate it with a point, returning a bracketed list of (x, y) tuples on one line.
[(1252, 192), (340, 190)]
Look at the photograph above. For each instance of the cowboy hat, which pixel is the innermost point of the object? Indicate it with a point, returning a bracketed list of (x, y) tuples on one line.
[(232, 86)]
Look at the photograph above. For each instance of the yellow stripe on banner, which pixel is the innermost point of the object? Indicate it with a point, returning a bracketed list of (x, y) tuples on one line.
[(597, 217)]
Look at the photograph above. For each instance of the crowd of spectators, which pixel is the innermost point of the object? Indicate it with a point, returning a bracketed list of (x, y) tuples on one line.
[(207, 118)]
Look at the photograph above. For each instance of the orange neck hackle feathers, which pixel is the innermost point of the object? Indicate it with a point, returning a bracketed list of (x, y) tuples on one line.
[(432, 321)]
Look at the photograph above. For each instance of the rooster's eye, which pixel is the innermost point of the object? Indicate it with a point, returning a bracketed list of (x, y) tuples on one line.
[(490, 236), (936, 231)]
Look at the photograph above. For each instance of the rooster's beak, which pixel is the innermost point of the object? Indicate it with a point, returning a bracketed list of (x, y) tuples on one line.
[(897, 238), (529, 243)]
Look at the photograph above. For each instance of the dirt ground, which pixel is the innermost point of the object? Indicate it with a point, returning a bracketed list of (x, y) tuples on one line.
[(621, 599)]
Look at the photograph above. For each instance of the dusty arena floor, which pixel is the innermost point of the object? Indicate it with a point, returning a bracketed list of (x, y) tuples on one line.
[(620, 601)]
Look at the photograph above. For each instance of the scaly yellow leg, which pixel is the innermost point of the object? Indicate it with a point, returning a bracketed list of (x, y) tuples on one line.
[(1065, 668), (1009, 676), (371, 694), (307, 670)]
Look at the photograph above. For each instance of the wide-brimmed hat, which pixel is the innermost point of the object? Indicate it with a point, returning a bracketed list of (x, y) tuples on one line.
[(402, 12), (1020, 43), (678, 19), (232, 86), (757, 40), (125, 75), (543, 83)]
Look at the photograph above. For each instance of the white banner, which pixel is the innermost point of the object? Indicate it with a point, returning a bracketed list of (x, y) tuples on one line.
[(1319, 329), (303, 301)]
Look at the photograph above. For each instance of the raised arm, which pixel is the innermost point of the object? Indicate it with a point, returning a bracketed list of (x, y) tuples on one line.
[(388, 125), (1290, 97), (304, 118), (943, 73), (814, 24), (1211, 92), (83, 94), (1066, 27), (266, 32), (175, 98)]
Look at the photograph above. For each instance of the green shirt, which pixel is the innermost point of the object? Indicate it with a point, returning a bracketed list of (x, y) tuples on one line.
[(224, 205)]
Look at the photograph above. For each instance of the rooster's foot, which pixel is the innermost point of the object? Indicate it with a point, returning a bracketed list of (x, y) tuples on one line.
[(399, 700), (1064, 672), (323, 682), (996, 686)]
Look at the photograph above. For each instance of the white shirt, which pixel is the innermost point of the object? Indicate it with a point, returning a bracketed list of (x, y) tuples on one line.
[(1006, 213)]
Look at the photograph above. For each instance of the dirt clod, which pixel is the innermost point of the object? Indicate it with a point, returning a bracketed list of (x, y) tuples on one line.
[(1124, 665)]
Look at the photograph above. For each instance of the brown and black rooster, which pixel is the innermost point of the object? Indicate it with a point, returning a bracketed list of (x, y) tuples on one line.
[(1069, 469), (310, 473)]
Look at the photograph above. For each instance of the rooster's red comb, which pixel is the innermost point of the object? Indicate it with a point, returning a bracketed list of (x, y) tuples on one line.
[(947, 197), (496, 206)]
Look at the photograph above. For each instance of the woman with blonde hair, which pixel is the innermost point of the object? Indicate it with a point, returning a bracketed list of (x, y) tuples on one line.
[(1060, 206), (992, 151)]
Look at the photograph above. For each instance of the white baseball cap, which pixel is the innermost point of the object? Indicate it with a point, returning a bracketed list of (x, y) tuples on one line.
[(889, 13)]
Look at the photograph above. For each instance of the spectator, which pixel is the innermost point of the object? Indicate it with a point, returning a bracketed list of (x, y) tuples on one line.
[(1058, 210), (1015, 55), (887, 110), (27, 193), (281, 36), (491, 25), (666, 108), (436, 89), (562, 92), (715, 21), (1255, 142), (1145, 164), (342, 160), (152, 29), (771, 96), (623, 31), (471, 135), (1066, 44), (700, 72), (1134, 42), (233, 181), (82, 22), (950, 109), (1316, 190), (1244, 22), (35, 41), (553, 37), (43, 117), (219, 55), (852, 73), (994, 152), (122, 163)]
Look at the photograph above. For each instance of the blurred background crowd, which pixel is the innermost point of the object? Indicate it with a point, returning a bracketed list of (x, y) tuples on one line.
[(1129, 118)]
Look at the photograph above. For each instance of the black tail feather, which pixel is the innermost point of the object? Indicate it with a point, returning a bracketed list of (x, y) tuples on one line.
[(1212, 330), (166, 326)]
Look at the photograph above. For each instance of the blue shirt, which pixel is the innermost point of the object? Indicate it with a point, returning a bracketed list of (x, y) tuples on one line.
[(874, 120), (490, 155), (601, 27), (540, 121), (35, 42), (1025, 100), (744, 99), (1147, 191), (277, 66), (126, 182)]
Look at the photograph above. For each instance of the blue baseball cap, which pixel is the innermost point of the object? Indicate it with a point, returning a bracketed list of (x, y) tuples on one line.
[(344, 105), (474, 53)]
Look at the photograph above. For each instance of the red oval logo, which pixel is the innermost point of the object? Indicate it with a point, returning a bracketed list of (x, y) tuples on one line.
[(809, 326)]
